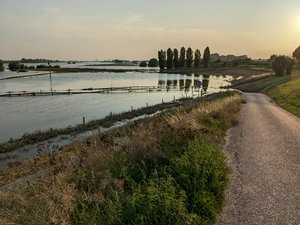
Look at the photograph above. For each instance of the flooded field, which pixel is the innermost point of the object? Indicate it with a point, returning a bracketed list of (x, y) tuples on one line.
[(21, 115)]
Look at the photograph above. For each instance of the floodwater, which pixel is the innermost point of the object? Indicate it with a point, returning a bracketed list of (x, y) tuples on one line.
[(19, 115)]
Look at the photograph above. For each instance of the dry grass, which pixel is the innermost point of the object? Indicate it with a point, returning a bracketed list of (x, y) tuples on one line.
[(89, 181)]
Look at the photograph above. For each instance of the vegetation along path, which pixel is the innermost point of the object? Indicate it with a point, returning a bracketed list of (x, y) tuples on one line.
[(264, 150)]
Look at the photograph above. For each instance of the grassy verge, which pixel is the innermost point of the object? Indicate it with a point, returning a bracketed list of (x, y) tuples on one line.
[(287, 95), (168, 169), (260, 84)]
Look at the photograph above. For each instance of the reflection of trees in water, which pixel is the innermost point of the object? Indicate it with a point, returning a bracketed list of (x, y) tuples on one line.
[(161, 83), (175, 83), (205, 82), (185, 84), (169, 83), (181, 84)]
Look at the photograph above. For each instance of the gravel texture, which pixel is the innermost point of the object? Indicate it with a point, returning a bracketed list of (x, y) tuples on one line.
[(264, 154)]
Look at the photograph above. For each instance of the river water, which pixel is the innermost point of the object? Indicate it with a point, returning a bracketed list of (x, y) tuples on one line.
[(19, 115)]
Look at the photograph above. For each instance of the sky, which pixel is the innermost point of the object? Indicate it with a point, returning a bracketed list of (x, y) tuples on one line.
[(137, 29)]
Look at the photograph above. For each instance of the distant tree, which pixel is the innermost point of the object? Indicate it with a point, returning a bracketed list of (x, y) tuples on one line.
[(1, 65), (170, 58), (175, 58), (182, 57), (162, 59), (189, 57), (282, 65), (143, 64), (153, 62), (296, 53), (206, 57), (272, 57), (197, 58), (14, 66)]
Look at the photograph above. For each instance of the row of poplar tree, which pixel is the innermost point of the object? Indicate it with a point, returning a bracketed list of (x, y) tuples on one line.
[(186, 58)]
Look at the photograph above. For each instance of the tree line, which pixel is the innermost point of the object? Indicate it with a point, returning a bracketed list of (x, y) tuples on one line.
[(185, 58)]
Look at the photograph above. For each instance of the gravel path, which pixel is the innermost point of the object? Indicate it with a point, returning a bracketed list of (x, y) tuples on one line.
[(264, 153)]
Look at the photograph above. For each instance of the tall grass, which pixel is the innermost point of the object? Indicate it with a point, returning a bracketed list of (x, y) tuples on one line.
[(168, 169)]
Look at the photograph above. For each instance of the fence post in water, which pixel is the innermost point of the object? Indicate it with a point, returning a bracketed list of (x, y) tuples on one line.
[(174, 98), (147, 104), (110, 114), (162, 101), (131, 108), (83, 121)]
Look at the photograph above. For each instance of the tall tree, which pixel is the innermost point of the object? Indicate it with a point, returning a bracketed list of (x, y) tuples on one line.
[(197, 58), (296, 53), (1, 65), (206, 57), (182, 57), (189, 57), (169, 58), (175, 58), (162, 59)]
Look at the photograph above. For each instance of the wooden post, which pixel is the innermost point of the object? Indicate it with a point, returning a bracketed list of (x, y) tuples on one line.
[(146, 104), (174, 98), (162, 101), (83, 121), (131, 108)]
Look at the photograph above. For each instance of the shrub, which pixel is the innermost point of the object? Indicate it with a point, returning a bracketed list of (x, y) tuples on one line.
[(1, 65), (282, 65), (153, 62), (14, 66), (143, 64), (202, 173)]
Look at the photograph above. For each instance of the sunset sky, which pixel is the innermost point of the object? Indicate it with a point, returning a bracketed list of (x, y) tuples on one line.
[(136, 29)]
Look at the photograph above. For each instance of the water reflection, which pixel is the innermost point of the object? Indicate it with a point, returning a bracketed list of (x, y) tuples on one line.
[(185, 83), (21, 115)]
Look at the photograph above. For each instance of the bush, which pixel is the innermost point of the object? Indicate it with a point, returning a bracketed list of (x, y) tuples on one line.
[(1, 65), (143, 64), (41, 66), (14, 66), (202, 173), (282, 65), (153, 62)]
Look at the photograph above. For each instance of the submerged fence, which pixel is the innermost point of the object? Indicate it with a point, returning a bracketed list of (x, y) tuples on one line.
[(98, 91)]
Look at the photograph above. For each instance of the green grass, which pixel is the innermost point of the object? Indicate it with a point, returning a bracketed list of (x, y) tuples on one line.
[(168, 169), (287, 95), (261, 84)]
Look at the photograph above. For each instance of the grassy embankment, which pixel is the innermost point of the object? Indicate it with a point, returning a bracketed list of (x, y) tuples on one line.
[(287, 95), (283, 89), (168, 169), (259, 84)]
